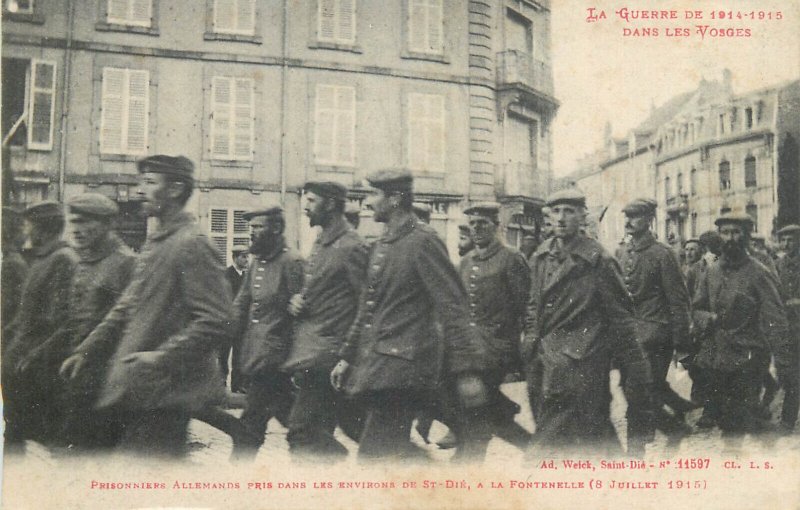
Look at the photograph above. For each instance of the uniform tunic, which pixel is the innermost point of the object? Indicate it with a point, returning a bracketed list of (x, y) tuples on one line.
[(789, 274)]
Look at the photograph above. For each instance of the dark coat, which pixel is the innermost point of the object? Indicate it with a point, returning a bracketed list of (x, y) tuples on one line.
[(497, 283), (739, 307), (14, 271), (579, 318), (234, 279), (262, 321), (177, 308), (335, 274), (789, 274), (411, 285), (653, 278), (693, 273)]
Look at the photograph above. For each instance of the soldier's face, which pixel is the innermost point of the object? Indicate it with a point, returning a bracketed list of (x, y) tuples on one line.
[(317, 209), (693, 252), (465, 243), (263, 233), (635, 225), (381, 205), (790, 243), (567, 220), (87, 231), (482, 230), (154, 193), (734, 239)]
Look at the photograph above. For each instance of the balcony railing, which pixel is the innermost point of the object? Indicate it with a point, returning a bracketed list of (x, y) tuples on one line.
[(520, 179), (514, 66)]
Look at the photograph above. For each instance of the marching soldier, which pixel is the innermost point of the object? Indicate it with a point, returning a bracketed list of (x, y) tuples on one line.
[(392, 356), (324, 311), (696, 264), (497, 280), (263, 324), (739, 308), (579, 318), (33, 393), (661, 304), (168, 323), (789, 274)]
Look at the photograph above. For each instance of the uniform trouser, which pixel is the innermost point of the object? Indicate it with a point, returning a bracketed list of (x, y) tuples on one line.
[(496, 418), (734, 394), (269, 394), (231, 350), (155, 432), (387, 428), (791, 381), (33, 406), (315, 413), (657, 346)]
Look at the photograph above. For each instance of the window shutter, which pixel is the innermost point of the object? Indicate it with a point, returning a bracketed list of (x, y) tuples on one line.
[(224, 15), (435, 133), (245, 15), (138, 84), (417, 25), (42, 105), (112, 107), (243, 123), (345, 124), (141, 12), (327, 19), (416, 131), (117, 10), (347, 21), (434, 28), (221, 97), (324, 123)]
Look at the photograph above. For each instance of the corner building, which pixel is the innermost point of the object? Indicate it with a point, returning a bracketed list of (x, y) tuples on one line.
[(265, 94)]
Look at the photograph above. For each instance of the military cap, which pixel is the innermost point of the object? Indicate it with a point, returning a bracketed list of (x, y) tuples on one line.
[(737, 218), (693, 240), (572, 196), (789, 229), (239, 249), (270, 211), (485, 209), (44, 210), (640, 207), (176, 166), (93, 204), (392, 180), (327, 189)]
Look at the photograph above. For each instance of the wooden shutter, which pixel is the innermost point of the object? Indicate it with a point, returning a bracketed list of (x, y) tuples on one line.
[(42, 105), (347, 21), (221, 102), (327, 20), (224, 15), (245, 16), (138, 99), (417, 23), (426, 136), (232, 102), (125, 111), (141, 12), (113, 104), (117, 11), (345, 124), (243, 120), (434, 28), (324, 123)]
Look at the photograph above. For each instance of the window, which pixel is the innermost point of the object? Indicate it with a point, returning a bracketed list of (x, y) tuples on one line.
[(19, 6), (724, 175), (29, 102), (124, 111), (724, 210), (228, 229), (337, 21), (694, 224), (667, 188), (426, 141), (335, 125), (750, 179), (752, 211), (518, 33), (137, 13), (425, 26), (231, 123), (521, 140), (748, 118), (693, 182), (679, 184), (234, 17), (721, 124)]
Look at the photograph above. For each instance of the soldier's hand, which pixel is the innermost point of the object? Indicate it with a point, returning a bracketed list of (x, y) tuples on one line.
[(72, 366), (338, 374), (296, 304)]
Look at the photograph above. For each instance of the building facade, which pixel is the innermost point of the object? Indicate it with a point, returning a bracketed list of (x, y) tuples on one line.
[(701, 154), (265, 94)]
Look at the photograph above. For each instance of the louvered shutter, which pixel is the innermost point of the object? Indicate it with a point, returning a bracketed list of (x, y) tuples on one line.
[(112, 110), (346, 21), (138, 85), (42, 105), (243, 124), (325, 123), (224, 15), (221, 94), (245, 16), (345, 124)]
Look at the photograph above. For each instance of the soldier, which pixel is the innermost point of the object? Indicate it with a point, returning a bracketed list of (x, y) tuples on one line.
[(789, 274), (14, 267), (392, 356), (497, 280), (529, 241), (235, 276), (738, 306), (695, 263), (579, 318), (465, 243), (661, 304), (263, 323), (168, 322), (103, 271), (33, 395), (324, 310)]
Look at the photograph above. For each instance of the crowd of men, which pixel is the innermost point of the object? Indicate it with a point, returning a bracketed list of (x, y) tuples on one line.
[(105, 349)]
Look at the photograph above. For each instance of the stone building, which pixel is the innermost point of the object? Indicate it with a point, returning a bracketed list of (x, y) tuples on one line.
[(265, 94), (702, 153)]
